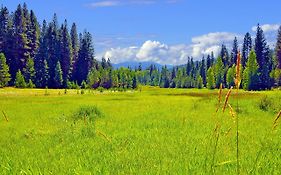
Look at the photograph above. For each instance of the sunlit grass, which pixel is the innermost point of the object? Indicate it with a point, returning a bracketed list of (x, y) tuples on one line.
[(149, 131)]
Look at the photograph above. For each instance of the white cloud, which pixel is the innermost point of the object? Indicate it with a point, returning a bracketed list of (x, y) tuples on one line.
[(267, 28), (211, 42), (177, 54), (172, 54), (103, 4), (111, 3)]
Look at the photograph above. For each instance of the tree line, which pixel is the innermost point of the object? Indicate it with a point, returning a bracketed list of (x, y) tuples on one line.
[(261, 67), (52, 55)]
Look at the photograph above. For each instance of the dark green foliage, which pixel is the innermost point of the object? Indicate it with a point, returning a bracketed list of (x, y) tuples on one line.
[(66, 54), (85, 60), (20, 81), (75, 46), (29, 72), (224, 55), (203, 71), (264, 60), (278, 58), (164, 78), (5, 76), (58, 80), (234, 53), (247, 47)]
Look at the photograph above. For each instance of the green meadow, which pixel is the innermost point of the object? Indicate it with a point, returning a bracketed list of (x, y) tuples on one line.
[(147, 131)]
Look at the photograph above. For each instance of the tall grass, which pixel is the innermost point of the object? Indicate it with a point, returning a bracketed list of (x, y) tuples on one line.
[(237, 84)]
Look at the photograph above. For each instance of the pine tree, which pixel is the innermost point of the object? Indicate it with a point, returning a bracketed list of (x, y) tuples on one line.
[(203, 71), (209, 63), (234, 52), (230, 76), (20, 81), (75, 46), (224, 55), (247, 47), (210, 78), (278, 57), (164, 79), (29, 72), (263, 59), (40, 58), (53, 50), (219, 72), (21, 53), (199, 82), (33, 35), (86, 59), (135, 84), (45, 75), (58, 76), (4, 19), (250, 75), (66, 54), (5, 77)]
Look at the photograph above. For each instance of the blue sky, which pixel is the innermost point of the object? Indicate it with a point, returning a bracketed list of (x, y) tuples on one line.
[(165, 31)]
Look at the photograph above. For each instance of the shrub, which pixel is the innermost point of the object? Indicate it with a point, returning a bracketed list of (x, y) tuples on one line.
[(87, 113), (265, 103)]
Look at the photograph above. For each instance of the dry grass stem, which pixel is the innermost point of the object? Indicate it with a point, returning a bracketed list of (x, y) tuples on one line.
[(226, 99), (276, 120)]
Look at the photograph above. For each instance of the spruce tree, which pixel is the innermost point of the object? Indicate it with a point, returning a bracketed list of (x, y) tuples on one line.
[(219, 72), (264, 60), (29, 72), (58, 80), (230, 76), (40, 58), (247, 47), (33, 35), (75, 47), (250, 75), (20, 81), (4, 19), (203, 71), (85, 58), (234, 52), (21, 52), (210, 78), (224, 55), (164, 79), (5, 76), (66, 54), (278, 57)]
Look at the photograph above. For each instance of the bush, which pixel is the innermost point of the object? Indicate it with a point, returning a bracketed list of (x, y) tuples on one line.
[(265, 103), (30, 84), (100, 89), (87, 113)]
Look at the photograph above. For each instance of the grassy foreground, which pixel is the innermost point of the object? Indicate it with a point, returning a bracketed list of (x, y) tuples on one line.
[(153, 131)]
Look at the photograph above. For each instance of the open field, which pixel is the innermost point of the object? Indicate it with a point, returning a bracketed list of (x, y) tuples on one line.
[(153, 131)]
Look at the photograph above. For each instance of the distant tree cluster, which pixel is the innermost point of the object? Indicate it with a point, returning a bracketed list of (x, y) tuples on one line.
[(261, 68), (51, 55)]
